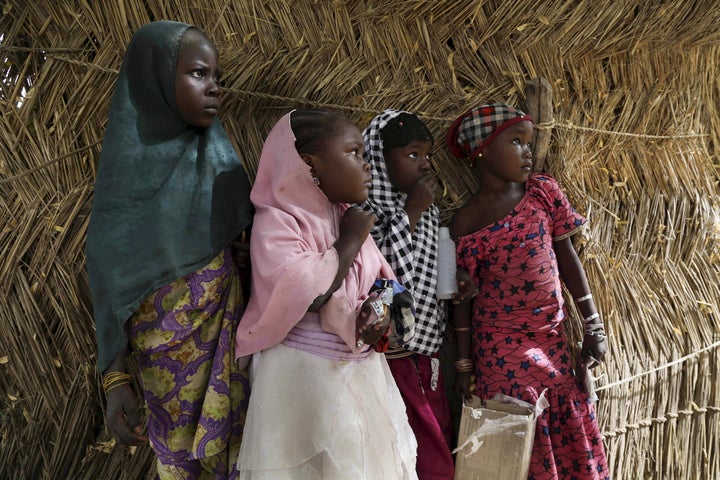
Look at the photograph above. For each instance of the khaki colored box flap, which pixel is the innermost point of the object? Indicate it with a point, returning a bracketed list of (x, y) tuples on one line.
[(495, 441)]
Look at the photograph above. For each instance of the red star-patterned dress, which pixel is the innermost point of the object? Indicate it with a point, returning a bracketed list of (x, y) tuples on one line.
[(519, 343)]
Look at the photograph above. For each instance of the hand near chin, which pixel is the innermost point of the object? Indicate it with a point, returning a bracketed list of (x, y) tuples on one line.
[(356, 223), (424, 191)]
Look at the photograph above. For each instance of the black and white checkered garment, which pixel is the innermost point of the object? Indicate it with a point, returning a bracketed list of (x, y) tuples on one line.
[(413, 257)]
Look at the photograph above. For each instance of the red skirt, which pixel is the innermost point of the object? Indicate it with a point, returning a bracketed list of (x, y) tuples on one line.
[(568, 444), (428, 412)]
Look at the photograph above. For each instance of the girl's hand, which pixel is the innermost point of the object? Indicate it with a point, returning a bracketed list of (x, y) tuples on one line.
[(594, 348), (356, 224), (241, 257), (422, 194), (122, 418), (369, 327), (241, 254), (463, 385), (466, 287), (354, 229), (581, 371)]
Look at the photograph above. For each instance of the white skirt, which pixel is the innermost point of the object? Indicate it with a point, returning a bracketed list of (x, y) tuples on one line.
[(313, 418)]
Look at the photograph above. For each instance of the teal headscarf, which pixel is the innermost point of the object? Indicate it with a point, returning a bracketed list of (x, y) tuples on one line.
[(168, 197)]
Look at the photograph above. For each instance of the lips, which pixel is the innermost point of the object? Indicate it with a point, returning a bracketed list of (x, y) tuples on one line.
[(212, 109)]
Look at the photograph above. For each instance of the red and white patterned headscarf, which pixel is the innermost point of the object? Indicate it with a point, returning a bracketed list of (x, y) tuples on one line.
[(475, 129)]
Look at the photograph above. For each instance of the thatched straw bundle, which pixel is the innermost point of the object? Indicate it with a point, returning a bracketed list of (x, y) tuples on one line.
[(634, 142)]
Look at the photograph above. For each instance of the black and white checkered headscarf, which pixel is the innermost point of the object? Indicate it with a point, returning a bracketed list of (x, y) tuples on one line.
[(413, 257)]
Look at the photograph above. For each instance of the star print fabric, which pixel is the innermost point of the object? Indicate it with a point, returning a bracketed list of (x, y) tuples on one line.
[(519, 342)]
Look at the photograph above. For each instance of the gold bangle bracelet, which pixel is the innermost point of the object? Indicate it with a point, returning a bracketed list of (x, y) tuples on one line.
[(463, 365), (112, 378)]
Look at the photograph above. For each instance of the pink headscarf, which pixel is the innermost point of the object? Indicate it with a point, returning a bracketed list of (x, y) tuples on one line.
[(292, 253)]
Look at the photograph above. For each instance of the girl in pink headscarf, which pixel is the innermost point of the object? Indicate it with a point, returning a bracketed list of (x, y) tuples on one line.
[(324, 404)]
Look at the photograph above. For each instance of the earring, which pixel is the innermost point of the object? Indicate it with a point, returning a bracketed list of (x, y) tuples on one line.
[(313, 175), (315, 179)]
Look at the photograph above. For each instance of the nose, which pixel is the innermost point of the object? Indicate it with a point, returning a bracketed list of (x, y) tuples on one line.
[(366, 166), (213, 88), (424, 164)]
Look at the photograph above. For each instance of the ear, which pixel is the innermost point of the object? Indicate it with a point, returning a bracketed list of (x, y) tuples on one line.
[(309, 159)]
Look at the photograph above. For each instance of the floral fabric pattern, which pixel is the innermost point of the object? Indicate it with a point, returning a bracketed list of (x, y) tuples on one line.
[(184, 335)]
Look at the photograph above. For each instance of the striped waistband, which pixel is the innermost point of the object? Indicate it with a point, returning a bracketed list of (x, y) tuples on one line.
[(323, 344)]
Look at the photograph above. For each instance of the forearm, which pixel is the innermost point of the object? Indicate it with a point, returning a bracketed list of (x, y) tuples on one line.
[(574, 277), (414, 212), (462, 325), (347, 249), (576, 282), (119, 363)]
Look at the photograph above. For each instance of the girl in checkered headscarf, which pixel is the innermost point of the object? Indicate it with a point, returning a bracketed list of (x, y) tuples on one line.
[(398, 147), (513, 237)]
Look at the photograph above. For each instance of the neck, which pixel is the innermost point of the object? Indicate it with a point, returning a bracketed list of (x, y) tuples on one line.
[(490, 186)]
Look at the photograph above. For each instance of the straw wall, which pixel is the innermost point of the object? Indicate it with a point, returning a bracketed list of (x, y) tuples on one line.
[(634, 142)]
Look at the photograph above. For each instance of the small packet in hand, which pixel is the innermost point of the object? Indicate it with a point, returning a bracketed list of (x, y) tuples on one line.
[(402, 310)]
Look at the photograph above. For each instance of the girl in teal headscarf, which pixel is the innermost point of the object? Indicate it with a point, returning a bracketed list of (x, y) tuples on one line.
[(170, 198)]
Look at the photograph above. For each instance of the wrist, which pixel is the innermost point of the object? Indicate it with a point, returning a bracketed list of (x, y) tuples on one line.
[(118, 363), (594, 327), (463, 365), (113, 380), (347, 246)]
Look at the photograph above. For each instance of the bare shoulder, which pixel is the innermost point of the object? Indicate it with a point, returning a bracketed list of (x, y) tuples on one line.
[(462, 221)]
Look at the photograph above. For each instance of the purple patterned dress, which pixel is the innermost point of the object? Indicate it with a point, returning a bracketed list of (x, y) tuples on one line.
[(184, 337), (519, 343)]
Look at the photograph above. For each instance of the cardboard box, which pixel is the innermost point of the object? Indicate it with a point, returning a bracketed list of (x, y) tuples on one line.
[(495, 441)]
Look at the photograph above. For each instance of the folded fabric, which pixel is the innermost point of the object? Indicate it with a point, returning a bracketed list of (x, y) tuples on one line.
[(402, 311)]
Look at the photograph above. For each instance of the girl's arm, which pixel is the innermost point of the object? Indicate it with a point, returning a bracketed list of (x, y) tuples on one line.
[(354, 228), (463, 338), (574, 278), (462, 312), (419, 199), (572, 272)]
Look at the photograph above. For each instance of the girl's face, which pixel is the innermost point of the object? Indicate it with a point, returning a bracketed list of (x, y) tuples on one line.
[(406, 165), (339, 165), (509, 156), (197, 93)]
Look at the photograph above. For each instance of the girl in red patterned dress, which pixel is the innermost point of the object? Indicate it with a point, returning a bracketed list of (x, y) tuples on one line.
[(513, 236)]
